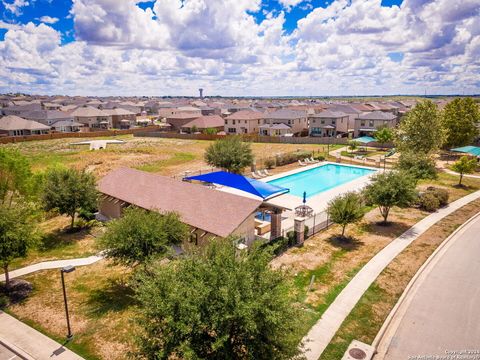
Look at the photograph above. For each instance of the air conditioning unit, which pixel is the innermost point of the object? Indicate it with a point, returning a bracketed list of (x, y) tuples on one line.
[(359, 351)]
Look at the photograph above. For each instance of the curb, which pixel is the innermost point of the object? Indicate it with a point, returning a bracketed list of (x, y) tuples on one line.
[(16, 350), (406, 293)]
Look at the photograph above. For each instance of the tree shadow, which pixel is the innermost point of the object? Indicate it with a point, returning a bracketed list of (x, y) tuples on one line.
[(114, 297), (60, 238), (386, 229), (348, 243)]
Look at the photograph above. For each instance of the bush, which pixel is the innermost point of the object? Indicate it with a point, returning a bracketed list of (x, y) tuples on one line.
[(292, 239), (320, 158), (278, 245), (306, 228), (290, 158), (428, 201), (441, 194), (269, 163)]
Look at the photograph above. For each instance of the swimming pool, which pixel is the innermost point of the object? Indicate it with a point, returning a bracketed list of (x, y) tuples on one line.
[(319, 179)]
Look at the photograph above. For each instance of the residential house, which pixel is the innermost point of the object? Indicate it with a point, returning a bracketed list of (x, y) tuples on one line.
[(66, 126), (279, 129), (92, 118), (202, 123), (296, 120), (180, 119), (47, 117), (328, 123), (208, 212), (244, 122), (12, 125), (367, 123), (121, 118)]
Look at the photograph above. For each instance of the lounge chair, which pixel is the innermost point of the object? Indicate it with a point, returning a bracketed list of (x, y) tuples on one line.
[(301, 163), (255, 176), (259, 174), (314, 161), (265, 171)]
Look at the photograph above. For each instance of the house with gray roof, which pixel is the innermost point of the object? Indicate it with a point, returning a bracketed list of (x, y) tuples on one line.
[(92, 118), (367, 123), (328, 123), (296, 120), (13, 125)]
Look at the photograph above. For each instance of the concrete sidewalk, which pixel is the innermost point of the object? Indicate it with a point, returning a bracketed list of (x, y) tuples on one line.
[(27, 343), (55, 264), (324, 330)]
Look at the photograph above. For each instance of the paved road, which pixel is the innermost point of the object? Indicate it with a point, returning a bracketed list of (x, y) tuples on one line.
[(442, 312)]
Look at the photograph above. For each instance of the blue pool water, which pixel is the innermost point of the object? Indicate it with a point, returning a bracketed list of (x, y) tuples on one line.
[(319, 179)]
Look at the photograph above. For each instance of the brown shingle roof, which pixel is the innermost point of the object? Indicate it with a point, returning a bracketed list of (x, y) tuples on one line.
[(217, 212), (12, 122), (204, 122), (246, 115)]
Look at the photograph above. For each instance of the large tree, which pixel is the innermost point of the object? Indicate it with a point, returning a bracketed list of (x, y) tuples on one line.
[(218, 303), (393, 188), (140, 235), (464, 166), (230, 154), (417, 164), (420, 130), (69, 191), (346, 209), (460, 118), (17, 232)]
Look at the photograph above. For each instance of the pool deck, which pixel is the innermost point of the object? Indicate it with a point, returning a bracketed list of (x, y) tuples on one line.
[(320, 201)]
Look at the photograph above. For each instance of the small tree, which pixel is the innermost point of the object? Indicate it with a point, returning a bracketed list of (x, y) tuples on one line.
[(230, 154), (384, 135), (218, 303), (140, 235), (17, 233), (68, 191), (419, 165), (194, 129), (391, 189), (345, 209), (460, 118), (15, 176), (353, 145), (464, 166), (210, 131)]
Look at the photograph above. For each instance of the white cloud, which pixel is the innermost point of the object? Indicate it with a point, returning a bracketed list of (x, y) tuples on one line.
[(219, 45), (48, 19), (16, 6)]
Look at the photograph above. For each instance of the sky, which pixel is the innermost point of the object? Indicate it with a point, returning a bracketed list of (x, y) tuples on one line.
[(240, 47)]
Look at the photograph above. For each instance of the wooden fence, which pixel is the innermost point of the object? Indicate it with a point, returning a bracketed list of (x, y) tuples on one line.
[(61, 135)]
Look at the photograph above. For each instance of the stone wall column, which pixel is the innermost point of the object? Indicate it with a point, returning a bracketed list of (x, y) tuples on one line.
[(299, 227), (275, 224)]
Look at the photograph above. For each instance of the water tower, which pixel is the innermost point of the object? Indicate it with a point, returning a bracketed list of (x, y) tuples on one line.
[(201, 93)]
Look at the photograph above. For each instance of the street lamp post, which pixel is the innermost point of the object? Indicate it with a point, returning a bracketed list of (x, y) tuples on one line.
[(66, 269)]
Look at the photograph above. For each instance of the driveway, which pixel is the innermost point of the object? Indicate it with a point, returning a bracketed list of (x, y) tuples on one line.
[(440, 317)]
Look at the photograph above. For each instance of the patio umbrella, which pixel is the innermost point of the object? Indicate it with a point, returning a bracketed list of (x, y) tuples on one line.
[(304, 210), (472, 150)]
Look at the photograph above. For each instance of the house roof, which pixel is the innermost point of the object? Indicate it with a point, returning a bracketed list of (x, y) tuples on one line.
[(203, 122), (280, 126), (118, 111), (88, 111), (46, 115), (329, 114), (182, 116), (12, 122), (246, 115), (286, 114), (217, 212), (377, 115), (61, 123)]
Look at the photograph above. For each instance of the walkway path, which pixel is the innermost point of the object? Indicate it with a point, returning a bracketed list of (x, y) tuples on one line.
[(323, 331), (439, 313), (20, 341), (448, 171), (55, 264)]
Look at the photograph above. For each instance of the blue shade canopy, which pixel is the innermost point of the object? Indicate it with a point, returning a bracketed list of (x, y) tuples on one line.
[(252, 186), (472, 150), (364, 139)]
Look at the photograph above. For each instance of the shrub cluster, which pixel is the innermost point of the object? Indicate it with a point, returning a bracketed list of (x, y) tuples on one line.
[(290, 158), (269, 163), (433, 199)]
